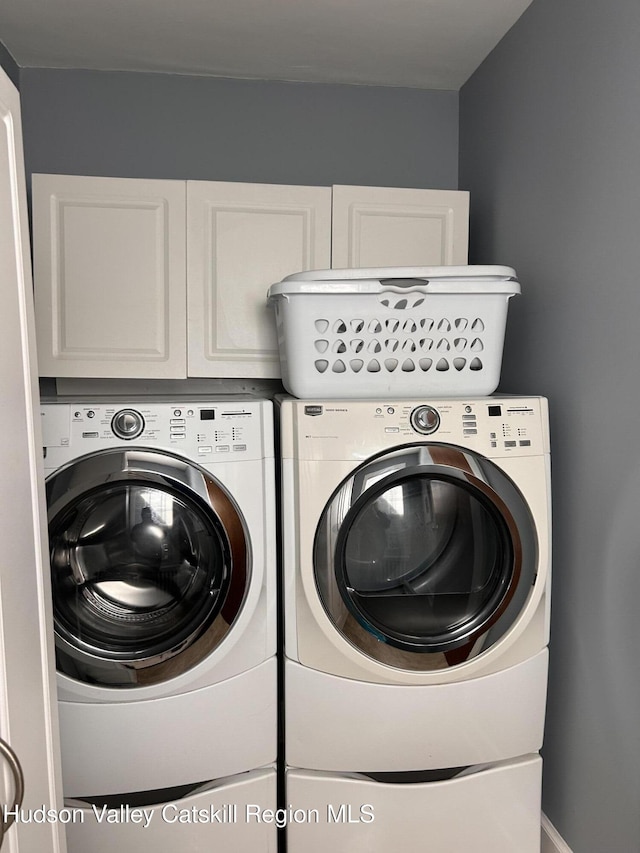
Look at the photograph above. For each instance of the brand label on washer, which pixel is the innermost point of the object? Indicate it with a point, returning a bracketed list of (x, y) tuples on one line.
[(313, 411)]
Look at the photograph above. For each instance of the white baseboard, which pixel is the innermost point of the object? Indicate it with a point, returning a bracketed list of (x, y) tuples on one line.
[(552, 841)]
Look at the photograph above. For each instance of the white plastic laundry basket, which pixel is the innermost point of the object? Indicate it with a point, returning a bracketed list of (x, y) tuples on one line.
[(392, 333)]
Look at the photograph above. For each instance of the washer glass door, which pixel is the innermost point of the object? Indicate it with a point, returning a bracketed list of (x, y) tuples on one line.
[(425, 556), (149, 566)]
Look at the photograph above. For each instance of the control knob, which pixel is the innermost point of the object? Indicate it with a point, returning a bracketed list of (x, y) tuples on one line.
[(425, 419), (127, 424)]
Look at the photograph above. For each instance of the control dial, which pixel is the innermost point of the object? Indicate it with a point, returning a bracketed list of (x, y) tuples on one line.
[(425, 419), (127, 424)]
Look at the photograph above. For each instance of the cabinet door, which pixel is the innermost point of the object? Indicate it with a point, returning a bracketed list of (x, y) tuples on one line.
[(241, 238), (28, 708), (110, 276), (385, 226)]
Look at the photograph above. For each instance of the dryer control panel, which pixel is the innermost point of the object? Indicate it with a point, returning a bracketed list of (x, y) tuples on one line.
[(492, 426), (202, 430)]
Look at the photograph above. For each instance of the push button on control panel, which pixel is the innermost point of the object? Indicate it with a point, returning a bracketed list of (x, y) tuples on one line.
[(177, 426), (469, 422)]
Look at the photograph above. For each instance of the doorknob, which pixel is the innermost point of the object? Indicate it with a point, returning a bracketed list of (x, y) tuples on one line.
[(18, 777)]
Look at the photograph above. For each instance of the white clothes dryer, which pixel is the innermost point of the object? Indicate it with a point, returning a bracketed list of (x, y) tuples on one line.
[(416, 560), (162, 545)]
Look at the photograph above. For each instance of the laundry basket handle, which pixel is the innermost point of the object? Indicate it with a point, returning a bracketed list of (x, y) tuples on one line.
[(401, 285)]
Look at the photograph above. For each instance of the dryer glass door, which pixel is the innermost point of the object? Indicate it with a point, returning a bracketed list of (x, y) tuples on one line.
[(148, 562), (419, 556)]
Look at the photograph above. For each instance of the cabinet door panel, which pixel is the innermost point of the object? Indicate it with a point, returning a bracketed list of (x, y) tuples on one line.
[(242, 238), (110, 276), (385, 226)]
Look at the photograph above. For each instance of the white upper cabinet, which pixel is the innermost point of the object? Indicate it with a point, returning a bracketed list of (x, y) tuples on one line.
[(166, 279), (241, 238), (386, 227), (110, 276)]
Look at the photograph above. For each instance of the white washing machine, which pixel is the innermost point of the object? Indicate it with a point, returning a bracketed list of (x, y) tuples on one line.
[(416, 581), (161, 529)]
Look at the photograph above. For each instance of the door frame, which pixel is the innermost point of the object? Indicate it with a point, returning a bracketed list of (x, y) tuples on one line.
[(28, 704)]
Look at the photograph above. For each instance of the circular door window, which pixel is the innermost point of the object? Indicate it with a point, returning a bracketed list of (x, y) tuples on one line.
[(419, 556), (148, 565)]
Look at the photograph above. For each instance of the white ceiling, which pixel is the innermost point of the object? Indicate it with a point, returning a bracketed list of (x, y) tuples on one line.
[(431, 44)]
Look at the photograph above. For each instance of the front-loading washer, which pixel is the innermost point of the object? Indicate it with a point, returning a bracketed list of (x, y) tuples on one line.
[(416, 579), (162, 546)]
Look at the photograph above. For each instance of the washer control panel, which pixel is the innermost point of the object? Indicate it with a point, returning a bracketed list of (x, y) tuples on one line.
[(200, 430)]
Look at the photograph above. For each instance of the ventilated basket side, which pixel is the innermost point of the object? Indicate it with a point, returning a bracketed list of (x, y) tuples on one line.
[(340, 346)]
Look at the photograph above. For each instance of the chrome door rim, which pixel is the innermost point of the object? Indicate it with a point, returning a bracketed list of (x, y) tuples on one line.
[(466, 469), (200, 492)]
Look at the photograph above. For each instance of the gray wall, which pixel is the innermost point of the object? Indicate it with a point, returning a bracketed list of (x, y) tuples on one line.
[(9, 65), (549, 148), (172, 126)]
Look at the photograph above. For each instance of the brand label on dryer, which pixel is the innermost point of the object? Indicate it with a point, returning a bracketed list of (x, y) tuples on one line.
[(313, 411)]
